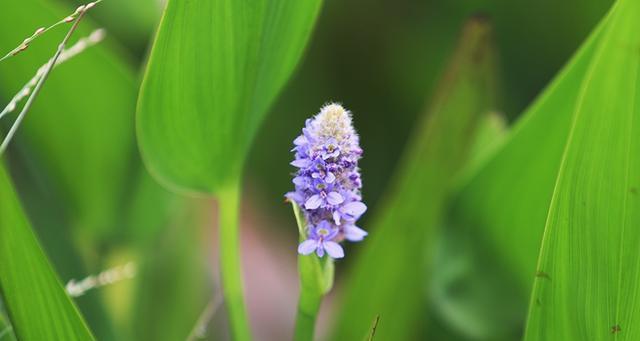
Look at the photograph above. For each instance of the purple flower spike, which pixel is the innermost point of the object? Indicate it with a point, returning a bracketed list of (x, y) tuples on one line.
[(327, 182)]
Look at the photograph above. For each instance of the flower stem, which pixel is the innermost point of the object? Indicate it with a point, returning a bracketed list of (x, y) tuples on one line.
[(316, 279), (230, 266), (308, 307)]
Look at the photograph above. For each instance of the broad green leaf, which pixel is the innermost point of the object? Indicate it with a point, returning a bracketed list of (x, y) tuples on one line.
[(561, 192), (389, 278), (37, 303), (588, 271), (215, 68), (526, 167), (80, 129), (497, 219)]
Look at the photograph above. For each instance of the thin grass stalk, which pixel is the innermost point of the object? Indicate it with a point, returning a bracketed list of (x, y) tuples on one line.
[(81, 45), (42, 30), (42, 79)]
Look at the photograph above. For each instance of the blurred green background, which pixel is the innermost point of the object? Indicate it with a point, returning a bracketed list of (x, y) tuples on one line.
[(77, 169)]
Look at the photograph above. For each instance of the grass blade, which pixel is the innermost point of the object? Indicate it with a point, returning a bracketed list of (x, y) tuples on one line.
[(38, 305)]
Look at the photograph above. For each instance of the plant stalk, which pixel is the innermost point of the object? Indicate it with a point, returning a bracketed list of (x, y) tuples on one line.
[(308, 307), (230, 265)]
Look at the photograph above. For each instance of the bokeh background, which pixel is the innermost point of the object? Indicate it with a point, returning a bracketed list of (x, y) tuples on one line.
[(79, 175)]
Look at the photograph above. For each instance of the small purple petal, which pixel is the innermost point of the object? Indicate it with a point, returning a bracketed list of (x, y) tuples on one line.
[(307, 247), (308, 135), (300, 140), (294, 196), (354, 209), (333, 249), (324, 225), (301, 163), (320, 251), (330, 178), (299, 181), (313, 202), (336, 217), (354, 233), (334, 198)]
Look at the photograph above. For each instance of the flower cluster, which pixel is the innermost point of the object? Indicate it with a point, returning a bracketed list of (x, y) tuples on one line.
[(327, 183)]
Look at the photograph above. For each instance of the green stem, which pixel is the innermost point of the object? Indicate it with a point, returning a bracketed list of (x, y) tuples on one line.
[(308, 307), (316, 279), (230, 266)]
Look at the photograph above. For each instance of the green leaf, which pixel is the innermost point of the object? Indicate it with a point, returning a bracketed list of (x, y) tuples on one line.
[(491, 134), (390, 275), (458, 287), (588, 271), (37, 303), (80, 129), (215, 68), (496, 221), (6, 329), (490, 208), (561, 193), (178, 277)]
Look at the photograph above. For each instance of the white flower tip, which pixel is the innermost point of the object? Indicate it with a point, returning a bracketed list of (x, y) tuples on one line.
[(334, 112), (333, 107), (334, 121), (39, 31)]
